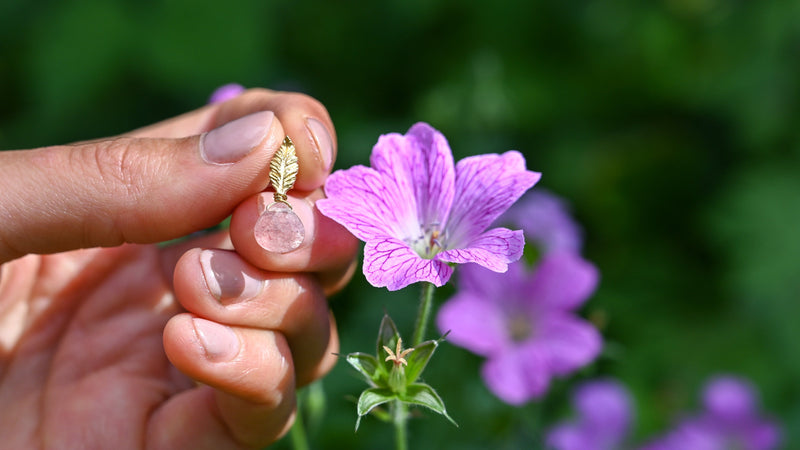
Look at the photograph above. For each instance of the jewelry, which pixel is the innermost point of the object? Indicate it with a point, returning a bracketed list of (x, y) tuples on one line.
[(278, 229)]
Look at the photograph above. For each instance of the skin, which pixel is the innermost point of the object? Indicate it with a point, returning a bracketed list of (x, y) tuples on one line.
[(99, 338)]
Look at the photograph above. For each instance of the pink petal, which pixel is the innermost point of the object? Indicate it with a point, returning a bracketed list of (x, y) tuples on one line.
[(391, 263), (491, 285), (569, 437), (225, 93), (368, 204), (605, 408), (493, 250), (546, 220), (474, 323), (422, 165), (563, 281), (762, 435), (730, 397), (485, 186), (517, 375), (569, 342)]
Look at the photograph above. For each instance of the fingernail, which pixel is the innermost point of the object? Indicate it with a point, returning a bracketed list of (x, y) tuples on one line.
[(225, 277), (322, 139), (219, 341), (234, 140), (280, 229)]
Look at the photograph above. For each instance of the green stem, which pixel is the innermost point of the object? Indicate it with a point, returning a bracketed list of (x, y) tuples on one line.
[(298, 431), (399, 408), (400, 417), (424, 313)]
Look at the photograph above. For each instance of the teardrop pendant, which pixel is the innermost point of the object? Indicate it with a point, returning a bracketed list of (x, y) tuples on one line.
[(278, 229)]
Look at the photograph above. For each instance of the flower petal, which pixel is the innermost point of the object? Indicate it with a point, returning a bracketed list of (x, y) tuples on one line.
[(517, 375), (569, 342), (491, 286), (475, 323), (730, 398), (562, 281), (605, 408), (422, 164), (546, 220), (690, 434), (368, 204), (761, 434), (493, 250), (568, 436), (391, 263), (225, 93), (485, 186)]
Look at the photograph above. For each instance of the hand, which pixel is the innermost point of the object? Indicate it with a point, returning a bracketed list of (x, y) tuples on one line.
[(190, 345)]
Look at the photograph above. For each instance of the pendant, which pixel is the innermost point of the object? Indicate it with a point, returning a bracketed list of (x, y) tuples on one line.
[(278, 229)]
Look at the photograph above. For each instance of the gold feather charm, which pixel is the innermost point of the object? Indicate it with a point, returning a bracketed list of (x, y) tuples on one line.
[(283, 170), (278, 229)]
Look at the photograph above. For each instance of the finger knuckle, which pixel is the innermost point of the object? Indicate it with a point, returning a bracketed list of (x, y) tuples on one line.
[(118, 168)]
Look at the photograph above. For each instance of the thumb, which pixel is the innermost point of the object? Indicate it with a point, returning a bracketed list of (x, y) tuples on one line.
[(127, 189)]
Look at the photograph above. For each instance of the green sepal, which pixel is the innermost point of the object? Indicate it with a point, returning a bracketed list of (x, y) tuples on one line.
[(387, 336), (369, 367), (418, 359), (422, 394), (371, 398), (397, 379)]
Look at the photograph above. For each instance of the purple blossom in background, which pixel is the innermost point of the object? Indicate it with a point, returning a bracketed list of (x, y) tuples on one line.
[(545, 219), (225, 93), (603, 418), (417, 211), (731, 420), (524, 323)]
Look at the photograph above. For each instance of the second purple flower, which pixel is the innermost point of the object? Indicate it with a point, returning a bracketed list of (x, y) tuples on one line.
[(417, 211), (524, 323)]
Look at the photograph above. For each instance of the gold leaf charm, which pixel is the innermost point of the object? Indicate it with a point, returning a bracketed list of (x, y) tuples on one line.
[(283, 170)]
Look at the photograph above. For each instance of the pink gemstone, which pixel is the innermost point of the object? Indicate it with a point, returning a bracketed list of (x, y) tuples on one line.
[(278, 229)]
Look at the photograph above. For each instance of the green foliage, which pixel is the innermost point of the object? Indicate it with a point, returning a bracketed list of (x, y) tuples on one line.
[(392, 380), (424, 395), (370, 398)]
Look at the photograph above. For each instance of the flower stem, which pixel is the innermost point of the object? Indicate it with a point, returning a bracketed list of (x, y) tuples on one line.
[(298, 430), (400, 417), (424, 313)]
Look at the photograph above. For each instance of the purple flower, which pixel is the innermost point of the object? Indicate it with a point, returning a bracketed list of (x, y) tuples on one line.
[(545, 219), (524, 323), (603, 422), (417, 211), (225, 93), (731, 419)]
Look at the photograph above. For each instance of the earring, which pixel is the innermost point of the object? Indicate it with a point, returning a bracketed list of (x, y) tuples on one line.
[(278, 229)]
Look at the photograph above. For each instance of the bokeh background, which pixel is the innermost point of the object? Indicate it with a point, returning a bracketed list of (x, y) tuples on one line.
[(671, 126)]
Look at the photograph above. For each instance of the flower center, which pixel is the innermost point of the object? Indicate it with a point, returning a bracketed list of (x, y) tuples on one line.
[(519, 327), (429, 243)]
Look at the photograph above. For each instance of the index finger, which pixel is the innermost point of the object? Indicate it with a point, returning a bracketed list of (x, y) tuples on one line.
[(304, 119)]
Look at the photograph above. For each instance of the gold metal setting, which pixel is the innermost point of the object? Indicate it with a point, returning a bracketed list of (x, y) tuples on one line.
[(283, 171)]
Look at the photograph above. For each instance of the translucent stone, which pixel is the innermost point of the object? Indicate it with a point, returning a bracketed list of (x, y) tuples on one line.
[(278, 229)]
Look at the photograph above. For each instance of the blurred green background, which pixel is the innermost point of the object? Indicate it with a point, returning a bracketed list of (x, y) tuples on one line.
[(671, 126)]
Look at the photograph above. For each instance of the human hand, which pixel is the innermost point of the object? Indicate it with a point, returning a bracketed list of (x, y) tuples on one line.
[(190, 345)]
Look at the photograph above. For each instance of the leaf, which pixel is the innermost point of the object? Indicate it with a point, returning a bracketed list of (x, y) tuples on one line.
[(371, 398), (368, 366), (283, 167), (422, 394)]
